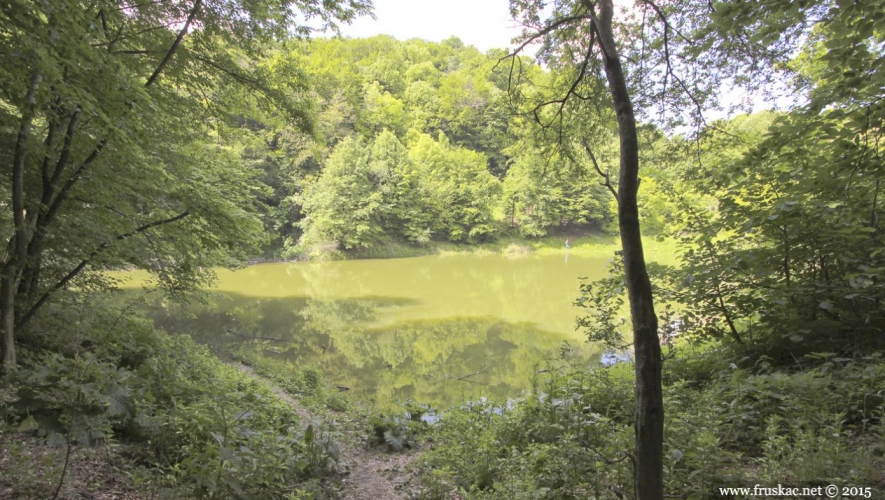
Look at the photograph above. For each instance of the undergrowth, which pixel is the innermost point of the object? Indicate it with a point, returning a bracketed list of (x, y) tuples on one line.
[(195, 427), (572, 435)]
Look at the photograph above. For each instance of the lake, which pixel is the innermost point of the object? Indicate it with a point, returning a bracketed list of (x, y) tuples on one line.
[(434, 329)]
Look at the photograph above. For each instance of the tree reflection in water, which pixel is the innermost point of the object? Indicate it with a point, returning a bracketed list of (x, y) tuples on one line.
[(439, 362)]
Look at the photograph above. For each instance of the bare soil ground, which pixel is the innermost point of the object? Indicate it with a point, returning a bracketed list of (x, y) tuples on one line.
[(30, 469), (366, 474), (377, 475)]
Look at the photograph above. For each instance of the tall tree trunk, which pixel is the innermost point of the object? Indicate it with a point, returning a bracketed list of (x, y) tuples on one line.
[(19, 243), (51, 177), (649, 424), (7, 322)]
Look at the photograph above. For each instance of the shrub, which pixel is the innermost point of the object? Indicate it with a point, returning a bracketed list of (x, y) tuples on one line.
[(211, 430), (572, 436)]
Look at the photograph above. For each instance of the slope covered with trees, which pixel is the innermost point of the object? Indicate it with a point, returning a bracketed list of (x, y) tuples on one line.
[(416, 142), (177, 136)]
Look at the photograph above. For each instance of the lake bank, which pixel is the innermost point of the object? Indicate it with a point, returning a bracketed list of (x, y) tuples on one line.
[(582, 244)]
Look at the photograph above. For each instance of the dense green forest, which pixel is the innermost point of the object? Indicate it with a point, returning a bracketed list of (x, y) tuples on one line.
[(414, 142), (178, 137)]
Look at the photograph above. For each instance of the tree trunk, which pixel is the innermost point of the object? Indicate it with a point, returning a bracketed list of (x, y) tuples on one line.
[(19, 243), (7, 322), (649, 424)]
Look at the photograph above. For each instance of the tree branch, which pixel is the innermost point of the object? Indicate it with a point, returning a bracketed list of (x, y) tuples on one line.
[(66, 148), (49, 143), (604, 175), (544, 31), (82, 265), (663, 19), (569, 93), (63, 192), (175, 44), (18, 174), (670, 72)]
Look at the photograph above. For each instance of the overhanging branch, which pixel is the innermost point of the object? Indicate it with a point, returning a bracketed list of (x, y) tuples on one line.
[(604, 175), (82, 265), (175, 44)]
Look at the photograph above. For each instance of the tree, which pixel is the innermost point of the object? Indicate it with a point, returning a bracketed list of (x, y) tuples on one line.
[(543, 191), (109, 111), (461, 192), (766, 251), (582, 39), (787, 260), (360, 195), (649, 424), (381, 111)]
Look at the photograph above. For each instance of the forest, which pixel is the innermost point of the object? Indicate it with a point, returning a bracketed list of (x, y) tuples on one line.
[(182, 137), (414, 143)]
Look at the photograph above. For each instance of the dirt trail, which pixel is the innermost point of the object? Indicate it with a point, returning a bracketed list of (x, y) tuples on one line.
[(367, 474), (375, 475)]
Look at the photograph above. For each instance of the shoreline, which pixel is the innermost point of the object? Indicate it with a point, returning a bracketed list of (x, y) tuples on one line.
[(663, 251)]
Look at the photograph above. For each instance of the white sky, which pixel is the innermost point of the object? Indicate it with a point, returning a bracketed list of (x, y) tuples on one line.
[(485, 24)]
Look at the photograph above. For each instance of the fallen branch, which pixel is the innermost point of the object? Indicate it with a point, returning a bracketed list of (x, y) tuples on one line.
[(471, 375), (228, 330), (464, 378)]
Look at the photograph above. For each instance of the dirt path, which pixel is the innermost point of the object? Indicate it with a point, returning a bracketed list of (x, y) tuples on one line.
[(367, 474), (376, 475)]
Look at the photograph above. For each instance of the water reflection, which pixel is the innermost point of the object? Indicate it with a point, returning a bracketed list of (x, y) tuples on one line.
[(434, 329), (439, 362)]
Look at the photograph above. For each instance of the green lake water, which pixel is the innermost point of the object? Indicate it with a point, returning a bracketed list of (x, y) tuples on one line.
[(435, 329)]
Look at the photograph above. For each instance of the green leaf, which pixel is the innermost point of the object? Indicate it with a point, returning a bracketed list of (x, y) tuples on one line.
[(56, 439), (28, 424), (234, 484)]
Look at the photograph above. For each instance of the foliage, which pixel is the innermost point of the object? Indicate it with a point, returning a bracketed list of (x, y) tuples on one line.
[(541, 192), (111, 123), (346, 205), (791, 252), (399, 430), (366, 195), (571, 436), (210, 430), (554, 444), (378, 92), (461, 192), (604, 302), (178, 136)]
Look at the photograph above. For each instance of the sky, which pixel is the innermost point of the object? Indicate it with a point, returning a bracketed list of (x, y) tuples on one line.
[(485, 24)]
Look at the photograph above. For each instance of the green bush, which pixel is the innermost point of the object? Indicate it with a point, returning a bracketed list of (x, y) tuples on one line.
[(564, 440), (210, 430), (572, 436), (398, 430)]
